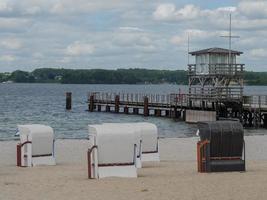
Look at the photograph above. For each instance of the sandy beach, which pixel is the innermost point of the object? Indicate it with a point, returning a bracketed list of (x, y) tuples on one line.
[(175, 177)]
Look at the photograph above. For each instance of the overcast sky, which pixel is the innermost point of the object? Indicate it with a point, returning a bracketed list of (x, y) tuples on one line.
[(126, 33)]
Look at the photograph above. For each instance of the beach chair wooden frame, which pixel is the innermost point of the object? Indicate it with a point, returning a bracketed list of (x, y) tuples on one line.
[(206, 163)]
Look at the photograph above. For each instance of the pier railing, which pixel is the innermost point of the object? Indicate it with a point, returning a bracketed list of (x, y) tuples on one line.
[(253, 112), (217, 94), (139, 98), (179, 100), (255, 101)]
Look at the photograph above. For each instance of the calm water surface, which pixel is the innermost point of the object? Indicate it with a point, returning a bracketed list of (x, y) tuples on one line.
[(45, 104)]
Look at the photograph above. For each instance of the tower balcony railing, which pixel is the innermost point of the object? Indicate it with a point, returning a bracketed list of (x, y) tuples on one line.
[(217, 93), (216, 69)]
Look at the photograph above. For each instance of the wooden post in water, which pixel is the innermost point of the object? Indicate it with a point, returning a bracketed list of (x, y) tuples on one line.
[(136, 111), (126, 110), (250, 119), (146, 110), (203, 105), (117, 104), (178, 114), (157, 112), (99, 108), (184, 115), (173, 112), (190, 104), (107, 108), (167, 113), (91, 104), (265, 121), (213, 106), (68, 100)]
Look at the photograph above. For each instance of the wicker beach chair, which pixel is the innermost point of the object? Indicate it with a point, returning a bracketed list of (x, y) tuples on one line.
[(221, 147)]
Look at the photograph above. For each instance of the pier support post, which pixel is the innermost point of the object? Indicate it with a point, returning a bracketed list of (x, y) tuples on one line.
[(265, 120), (157, 112), (107, 108), (117, 104), (184, 115), (213, 105), (177, 114), (136, 111), (250, 119), (167, 113), (91, 104), (146, 110), (190, 104), (173, 112), (203, 105), (68, 100), (99, 108), (126, 110)]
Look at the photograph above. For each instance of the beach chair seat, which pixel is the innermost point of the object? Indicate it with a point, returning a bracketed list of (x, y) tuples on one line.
[(221, 147), (36, 145), (227, 165), (112, 152)]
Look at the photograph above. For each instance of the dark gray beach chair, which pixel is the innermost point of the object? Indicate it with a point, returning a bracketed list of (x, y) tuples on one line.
[(221, 147)]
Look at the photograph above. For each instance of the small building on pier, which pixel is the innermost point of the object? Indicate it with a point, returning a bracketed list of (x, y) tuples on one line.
[(216, 81)]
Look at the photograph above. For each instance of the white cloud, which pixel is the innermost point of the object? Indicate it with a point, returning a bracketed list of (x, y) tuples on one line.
[(7, 58), (44, 31), (131, 38), (164, 12), (11, 43), (65, 59), (9, 24), (32, 10), (79, 48), (169, 12), (85, 6), (37, 55), (129, 28), (253, 8), (258, 53), (5, 6), (196, 35), (227, 9)]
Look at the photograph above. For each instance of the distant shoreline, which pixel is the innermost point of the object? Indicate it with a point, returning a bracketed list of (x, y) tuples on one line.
[(111, 84), (119, 76)]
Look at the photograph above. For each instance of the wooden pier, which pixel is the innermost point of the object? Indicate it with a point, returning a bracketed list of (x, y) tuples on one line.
[(215, 91), (171, 105), (252, 114), (255, 111)]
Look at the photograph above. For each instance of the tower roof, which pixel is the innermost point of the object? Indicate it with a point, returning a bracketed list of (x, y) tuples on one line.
[(215, 50)]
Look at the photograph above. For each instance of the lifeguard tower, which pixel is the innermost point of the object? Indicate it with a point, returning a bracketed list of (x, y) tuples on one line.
[(216, 81)]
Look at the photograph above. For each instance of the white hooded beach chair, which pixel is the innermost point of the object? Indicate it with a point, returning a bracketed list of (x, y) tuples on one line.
[(36, 145), (112, 152), (150, 146), (147, 137), (138, 140)]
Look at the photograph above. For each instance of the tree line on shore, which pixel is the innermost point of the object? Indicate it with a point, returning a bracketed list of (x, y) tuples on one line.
[(118, 76)]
